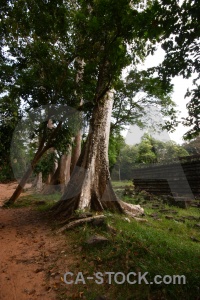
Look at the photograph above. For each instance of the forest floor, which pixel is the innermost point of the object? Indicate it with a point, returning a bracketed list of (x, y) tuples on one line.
[(32, 258)]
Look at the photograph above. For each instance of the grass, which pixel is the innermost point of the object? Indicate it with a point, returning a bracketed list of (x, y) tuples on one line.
[(140, 248), (121, 184), (40, 202), (159, 247)]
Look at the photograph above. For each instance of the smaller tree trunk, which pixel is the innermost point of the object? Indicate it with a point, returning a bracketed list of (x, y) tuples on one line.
[(119, 174), (50, 187), (39, 182), (51, 150), (55, 166), (65, 170), (61, 176), (76, 151), (24, 179)]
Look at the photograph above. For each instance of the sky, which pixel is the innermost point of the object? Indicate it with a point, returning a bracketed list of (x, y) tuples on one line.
[(134, 134)]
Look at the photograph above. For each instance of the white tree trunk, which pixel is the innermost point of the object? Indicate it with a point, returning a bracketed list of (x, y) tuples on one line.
[(64, 175), (103, 129), (89, 186)]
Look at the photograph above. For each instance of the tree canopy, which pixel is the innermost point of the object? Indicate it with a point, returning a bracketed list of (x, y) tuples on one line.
[(179, 21), (42, 42)]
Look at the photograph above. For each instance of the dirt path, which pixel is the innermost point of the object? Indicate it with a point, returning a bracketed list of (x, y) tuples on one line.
[(32, 258), (6, 191)]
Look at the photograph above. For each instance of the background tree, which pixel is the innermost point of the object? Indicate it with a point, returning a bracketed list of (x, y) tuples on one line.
[(9, 116), (45, 165), (179, 23), (171, 151), (148, 151), (139, 90), (125, 163), (193, 146), (116, 143)]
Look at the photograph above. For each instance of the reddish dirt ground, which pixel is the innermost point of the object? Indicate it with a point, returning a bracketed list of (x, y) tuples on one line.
[(33, 258), (6, 191)]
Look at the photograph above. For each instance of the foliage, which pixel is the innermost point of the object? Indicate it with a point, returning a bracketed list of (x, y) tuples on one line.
[(160, 151), (135, 94), (43, 41), (179, 22), (125, 163), (193, 146), (46, 165), (148, 151), (116, 143), (36, 69), (9, 116), (172, 151)]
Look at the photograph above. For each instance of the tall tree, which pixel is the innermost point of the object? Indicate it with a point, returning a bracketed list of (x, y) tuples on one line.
[(44, 40), (112, 31)]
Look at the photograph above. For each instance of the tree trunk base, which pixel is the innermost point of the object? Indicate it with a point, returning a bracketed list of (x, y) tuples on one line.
[(66, 207), (131, 210)]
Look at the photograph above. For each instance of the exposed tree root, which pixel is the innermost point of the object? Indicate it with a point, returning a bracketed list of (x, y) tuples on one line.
[(76, 223), (131, 209)]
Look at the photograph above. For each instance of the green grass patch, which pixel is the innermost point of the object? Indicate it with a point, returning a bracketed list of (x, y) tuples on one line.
[(123, 183), (38, 201), (159, 246), (138, 248)]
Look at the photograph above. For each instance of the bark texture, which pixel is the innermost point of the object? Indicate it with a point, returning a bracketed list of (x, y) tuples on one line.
[(38, 186), (90, 185), (61, 176), (65, 169), (76, 151)]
